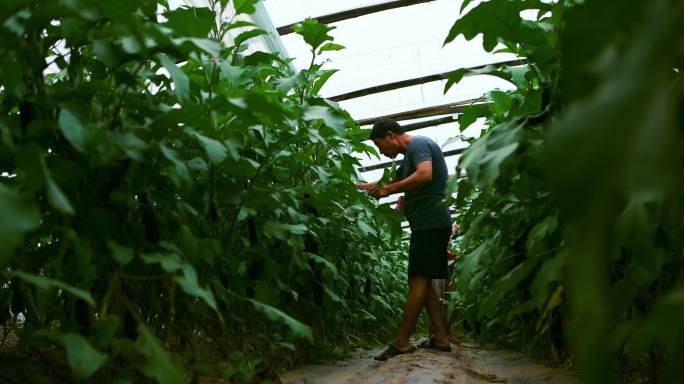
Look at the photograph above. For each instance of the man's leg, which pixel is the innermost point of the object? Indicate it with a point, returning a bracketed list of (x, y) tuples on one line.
[(439, 285), (415, 301), (450, 316), (421, 294), (436, 311)]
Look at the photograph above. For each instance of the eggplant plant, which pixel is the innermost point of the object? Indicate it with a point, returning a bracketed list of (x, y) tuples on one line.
[(572, 208), (174, 205)]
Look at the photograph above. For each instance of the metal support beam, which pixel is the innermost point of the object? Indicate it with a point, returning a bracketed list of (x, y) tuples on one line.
[(263, 20), (352, 13), (387, 164), (429, 123), (444, 109), (412, 82)]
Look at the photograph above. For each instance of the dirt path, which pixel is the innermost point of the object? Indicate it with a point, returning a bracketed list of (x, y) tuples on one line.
[(468, 363)]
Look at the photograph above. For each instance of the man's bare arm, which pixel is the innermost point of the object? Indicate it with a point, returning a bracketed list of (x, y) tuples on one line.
[(422, 175), (373, 185), (366, 186)]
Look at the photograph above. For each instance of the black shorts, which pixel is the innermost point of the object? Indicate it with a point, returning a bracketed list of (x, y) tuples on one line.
[(428, 253)]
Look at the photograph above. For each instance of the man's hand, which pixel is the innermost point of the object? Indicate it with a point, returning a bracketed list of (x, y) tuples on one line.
[(366, 186), (422, 175), (379, 192)]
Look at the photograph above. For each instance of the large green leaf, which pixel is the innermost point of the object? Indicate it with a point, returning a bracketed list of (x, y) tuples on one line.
[(208, 46), (123, 255), (57, 198), (48, 283), (244, 36), (499, 21), (158, 364), (180, 166), (500, 71), (188, 281), (471, 263), (550, 273), (541, 230), (11, 73), (245, 6), (190, 284), (321, 260), (501, 102), (297, 328), (20, 216), (492, 162), (313, 32), (216, 151), (170, 262), (83, 359), (72, 128), (180, 79), (330, 47), (283, 231), (329, 116), (322, 79), (194, 22)]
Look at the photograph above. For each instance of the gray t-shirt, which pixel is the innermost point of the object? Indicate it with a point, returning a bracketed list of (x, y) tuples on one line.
[(423, 206)]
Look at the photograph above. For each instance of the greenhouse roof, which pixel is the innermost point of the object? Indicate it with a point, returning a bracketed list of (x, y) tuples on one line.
[(402, 41), (389, 46)]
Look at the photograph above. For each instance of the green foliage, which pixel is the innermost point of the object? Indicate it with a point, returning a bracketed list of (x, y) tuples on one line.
[(158, 364), (21, 216), (195, 22), (572, 205), (165, 194), (315, 34), (299, 329), (47, 283), (83, 358)]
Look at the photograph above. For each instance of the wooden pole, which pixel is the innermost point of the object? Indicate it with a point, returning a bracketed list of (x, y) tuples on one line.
[(412, 82), (356, 12), (444, 109)]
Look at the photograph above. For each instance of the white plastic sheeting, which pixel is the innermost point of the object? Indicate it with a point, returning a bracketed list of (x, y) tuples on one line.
[(388, 46), (384, 47)]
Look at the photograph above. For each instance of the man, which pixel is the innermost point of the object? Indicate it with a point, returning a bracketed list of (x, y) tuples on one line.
[(423, 177)]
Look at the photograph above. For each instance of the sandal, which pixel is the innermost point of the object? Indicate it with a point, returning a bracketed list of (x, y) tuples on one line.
[(424, 343), (431, 344), (392, 351)]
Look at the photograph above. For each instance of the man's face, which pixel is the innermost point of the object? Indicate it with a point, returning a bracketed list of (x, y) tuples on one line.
[(387, 145)]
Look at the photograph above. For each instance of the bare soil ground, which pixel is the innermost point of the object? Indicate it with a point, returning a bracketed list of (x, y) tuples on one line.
[(467, 363)]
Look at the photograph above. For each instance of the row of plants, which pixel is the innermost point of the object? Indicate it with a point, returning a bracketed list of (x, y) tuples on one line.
[(572, 208), (177, 207)]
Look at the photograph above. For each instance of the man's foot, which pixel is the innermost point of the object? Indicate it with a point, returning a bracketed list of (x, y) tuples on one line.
[(425, 341), (431, 343), (392, 351)]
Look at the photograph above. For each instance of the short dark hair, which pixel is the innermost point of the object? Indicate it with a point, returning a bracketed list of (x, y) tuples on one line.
[(382, 126)]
